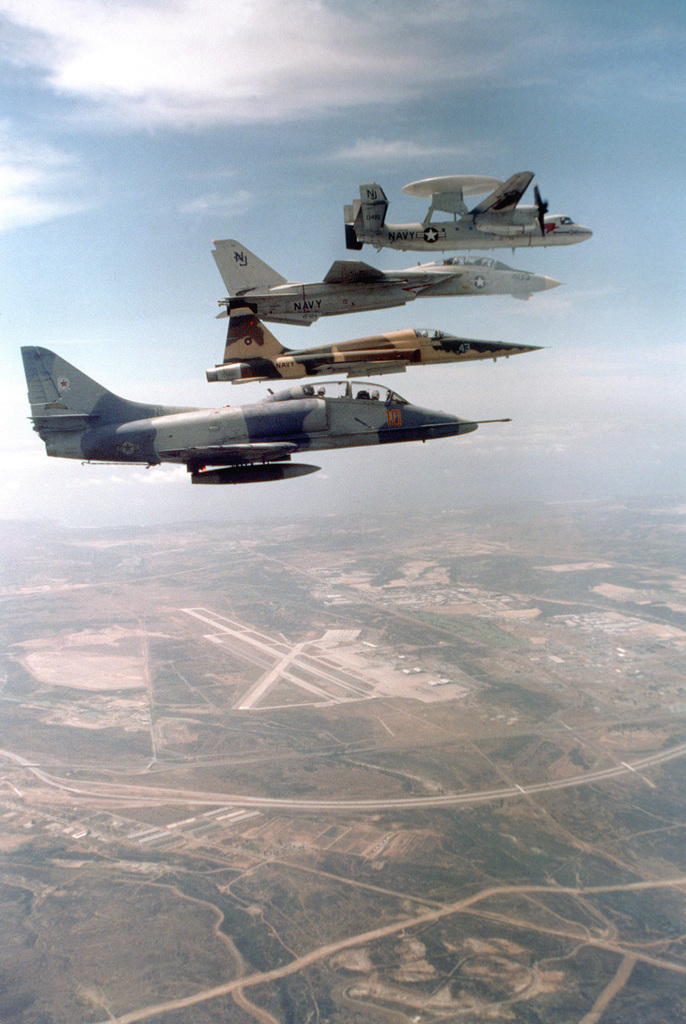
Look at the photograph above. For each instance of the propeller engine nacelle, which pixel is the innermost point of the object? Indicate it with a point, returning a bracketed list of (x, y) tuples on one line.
[(510, 230)]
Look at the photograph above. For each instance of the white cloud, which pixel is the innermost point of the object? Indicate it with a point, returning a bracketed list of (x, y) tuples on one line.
[(379, 150), (192, 62), (218, 204), (37, 181)]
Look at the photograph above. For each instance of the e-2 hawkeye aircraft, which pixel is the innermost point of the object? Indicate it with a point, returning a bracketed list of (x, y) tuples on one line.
[(496, 222), (79, 419), (252, 353), (351, 286)]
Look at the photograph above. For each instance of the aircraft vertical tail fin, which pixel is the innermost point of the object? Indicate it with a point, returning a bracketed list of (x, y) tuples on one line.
[(248, 339), (241, 270), (57, 389), (373, 206), (65, 401)]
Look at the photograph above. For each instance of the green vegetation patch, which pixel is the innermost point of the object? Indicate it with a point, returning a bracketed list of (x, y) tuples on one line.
[(472, 628)]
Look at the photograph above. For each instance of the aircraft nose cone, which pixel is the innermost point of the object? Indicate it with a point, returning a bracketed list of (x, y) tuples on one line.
[(452, 426), (550, 282)]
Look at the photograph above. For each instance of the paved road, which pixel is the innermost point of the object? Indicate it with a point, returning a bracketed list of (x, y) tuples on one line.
[(121, 790), (408, 924)]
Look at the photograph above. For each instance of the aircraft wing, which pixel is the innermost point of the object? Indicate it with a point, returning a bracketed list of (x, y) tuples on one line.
[(507, 195), (222, 454), (353, 272), (361, 367)]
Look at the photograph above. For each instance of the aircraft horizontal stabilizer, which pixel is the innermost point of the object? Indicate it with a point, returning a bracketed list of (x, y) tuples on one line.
[(61, 421)]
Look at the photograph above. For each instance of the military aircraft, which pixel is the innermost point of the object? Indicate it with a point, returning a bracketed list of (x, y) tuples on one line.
[(79, 419), (252, 353), (351, 286), (496, 222)]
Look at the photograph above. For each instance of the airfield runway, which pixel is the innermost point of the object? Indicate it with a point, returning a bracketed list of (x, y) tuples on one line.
[(312, 673)]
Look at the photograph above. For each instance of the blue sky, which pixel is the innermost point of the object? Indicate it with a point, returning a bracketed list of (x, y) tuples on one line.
[(133, 133)]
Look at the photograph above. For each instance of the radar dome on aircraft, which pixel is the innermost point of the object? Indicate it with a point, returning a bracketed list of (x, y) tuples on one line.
[(467, 184), (446, 193)]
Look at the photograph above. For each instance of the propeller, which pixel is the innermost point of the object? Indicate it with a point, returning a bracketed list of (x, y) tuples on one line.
[(542, 206)]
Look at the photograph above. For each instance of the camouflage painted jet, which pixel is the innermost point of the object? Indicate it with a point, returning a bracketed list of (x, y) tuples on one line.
[(496, 222), (252, 353), (79, 419), (351, 286)]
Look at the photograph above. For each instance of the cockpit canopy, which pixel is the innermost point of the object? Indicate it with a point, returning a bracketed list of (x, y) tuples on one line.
[(429, 333), (475, 261), (352, 390)]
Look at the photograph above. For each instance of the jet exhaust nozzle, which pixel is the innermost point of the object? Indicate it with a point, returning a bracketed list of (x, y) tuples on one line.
[(351, 241)]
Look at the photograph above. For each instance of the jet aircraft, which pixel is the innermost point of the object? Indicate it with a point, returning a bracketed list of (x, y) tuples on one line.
[(496, 222), (79, 419), (351, 286), (252, 353)]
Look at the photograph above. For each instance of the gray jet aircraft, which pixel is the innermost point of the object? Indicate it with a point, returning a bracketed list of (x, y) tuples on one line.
[(79, 419), (253, 353), (351, 286), (496, 222)]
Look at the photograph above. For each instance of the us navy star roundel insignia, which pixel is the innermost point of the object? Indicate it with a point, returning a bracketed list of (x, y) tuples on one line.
[(479, 282), (431, 235)]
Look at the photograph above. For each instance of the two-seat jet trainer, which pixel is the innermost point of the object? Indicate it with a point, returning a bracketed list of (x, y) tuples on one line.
[(496, 222), (79, 419)]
